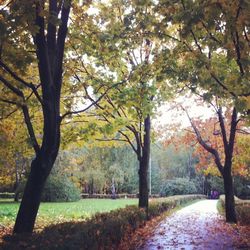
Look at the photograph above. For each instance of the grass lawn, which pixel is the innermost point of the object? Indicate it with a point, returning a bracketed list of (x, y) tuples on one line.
[(55, 212)]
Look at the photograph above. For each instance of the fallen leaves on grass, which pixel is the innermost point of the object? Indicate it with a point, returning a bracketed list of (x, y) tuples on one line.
[(4, 230)]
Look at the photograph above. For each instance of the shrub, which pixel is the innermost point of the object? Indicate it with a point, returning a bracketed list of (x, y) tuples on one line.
[(216, 183), (241, 187), (7, 195), (178, 186), (60, 188)]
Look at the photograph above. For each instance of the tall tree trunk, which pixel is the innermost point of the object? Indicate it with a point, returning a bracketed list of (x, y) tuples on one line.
[(229, 197), (49, 41), (144, 165)]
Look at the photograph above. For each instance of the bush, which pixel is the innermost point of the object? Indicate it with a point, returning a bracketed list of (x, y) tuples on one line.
[(178, 186), (216, 183), (242, 187), (60, 188)]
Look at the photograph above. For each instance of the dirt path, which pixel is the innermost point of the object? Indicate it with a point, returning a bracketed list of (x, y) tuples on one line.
[(198, 226)]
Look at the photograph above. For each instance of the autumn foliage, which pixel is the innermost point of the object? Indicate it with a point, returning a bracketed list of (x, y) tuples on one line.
[(210, 132)]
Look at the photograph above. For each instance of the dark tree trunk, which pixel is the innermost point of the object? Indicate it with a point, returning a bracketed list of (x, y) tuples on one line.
[(144, 165), (31, 198), (49, 51), (40, 170), (229, 197)]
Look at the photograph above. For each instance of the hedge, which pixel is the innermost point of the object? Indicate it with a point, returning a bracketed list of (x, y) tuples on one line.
[(102, 231), (109, 196), (242, 208), (7, 195)]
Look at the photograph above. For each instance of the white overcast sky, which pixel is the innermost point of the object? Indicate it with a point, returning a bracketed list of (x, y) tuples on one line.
[(169, 115)]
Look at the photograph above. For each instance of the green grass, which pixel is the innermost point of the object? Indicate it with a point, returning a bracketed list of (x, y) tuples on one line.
[(55, 212)]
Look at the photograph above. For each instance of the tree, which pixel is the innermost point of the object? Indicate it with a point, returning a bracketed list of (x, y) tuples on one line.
[(209, 51), (47, 23), (222, 150), (121, 51)]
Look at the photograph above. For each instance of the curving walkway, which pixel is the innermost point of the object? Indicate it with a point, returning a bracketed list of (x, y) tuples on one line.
[(198, 226)]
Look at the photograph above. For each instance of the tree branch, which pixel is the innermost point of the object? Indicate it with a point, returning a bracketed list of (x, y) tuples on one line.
[(11, 87), (242, 131), (210, 149), (9, 114), (22, 81), (223, 130), (9, 101), (113, 139), (30, 129), (128, 140), (94, 102)]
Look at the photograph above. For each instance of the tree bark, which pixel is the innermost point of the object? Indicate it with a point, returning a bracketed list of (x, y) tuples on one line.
[(229, 197), (40, 170), (31, 198), (144, 165)]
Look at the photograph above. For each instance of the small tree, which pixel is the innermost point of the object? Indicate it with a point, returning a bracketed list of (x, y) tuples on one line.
[(223, 158)]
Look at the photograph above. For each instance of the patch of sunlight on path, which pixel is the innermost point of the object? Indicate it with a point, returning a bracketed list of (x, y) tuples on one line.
[(198, 226)]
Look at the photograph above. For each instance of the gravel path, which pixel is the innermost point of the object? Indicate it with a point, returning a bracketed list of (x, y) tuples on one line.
[(198, 226)]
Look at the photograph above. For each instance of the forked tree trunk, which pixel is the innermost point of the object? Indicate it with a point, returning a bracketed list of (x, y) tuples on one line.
[(144, 165), (229, 197)]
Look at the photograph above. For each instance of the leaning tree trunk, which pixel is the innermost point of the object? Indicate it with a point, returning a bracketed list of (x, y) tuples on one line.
[(40, 169), (229, 196), (144, 165), (31, 198)]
